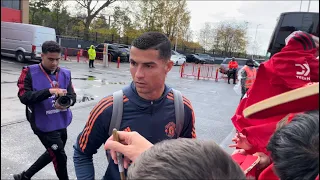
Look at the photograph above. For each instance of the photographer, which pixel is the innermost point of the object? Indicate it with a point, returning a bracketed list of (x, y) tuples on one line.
[(47, 92)]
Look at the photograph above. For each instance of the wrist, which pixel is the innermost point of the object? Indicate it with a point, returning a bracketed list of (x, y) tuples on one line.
[(52, 91)]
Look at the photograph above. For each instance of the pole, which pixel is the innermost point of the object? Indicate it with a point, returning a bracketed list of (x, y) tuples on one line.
[(300, 5), (255, 38), (309, 5), (175, 46), (105, 55)]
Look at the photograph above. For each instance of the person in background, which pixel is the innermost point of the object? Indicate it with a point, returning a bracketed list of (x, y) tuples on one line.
[(92, 56), (233, 66), (39, 87), (247, 75)]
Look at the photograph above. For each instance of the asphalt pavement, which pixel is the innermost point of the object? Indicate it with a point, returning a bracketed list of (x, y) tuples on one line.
[(214, 103)]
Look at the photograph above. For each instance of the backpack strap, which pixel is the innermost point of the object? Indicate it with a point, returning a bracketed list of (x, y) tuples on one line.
[(117, 111), (179, 111)]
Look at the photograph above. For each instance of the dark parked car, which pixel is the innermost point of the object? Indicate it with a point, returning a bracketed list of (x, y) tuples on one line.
[(126, 50), (241, 62), (200, 58), (114, 50)]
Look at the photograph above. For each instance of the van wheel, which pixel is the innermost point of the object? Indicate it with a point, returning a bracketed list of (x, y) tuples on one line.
[(20, 57)]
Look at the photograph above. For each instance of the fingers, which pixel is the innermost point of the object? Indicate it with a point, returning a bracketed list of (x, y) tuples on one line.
[(115, 146), (124, 136), (233, 145), (126, 162), (235, 139), (113, 155)]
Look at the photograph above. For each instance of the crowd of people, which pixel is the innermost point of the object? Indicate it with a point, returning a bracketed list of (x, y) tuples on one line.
[(157, 124)]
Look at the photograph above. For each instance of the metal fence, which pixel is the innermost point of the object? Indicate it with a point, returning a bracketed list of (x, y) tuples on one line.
[(96, 38)]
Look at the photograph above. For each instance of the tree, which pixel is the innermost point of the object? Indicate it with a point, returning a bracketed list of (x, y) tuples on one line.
[(121, 20), (37, 8), (60, 18), (92, 11), (206, 36), (231, 37), (100, 22), (167, 16)]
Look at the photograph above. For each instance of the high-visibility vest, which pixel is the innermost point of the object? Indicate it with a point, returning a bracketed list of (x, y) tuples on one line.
[(251, 76)]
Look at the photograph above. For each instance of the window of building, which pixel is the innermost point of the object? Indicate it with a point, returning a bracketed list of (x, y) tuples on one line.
[(13, 4)]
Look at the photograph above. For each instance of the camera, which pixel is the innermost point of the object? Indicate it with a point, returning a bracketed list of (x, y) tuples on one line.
[(64, 101)]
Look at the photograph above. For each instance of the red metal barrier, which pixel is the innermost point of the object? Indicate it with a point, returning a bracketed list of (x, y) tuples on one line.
[(199, 71), (118, 62), (65, 53), (78, 56)]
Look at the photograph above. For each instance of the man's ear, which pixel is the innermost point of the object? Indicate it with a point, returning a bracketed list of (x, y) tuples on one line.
[(169, 65)]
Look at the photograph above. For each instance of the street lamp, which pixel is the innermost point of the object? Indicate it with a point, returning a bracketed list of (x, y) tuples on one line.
[(255, 38), (309, 5)]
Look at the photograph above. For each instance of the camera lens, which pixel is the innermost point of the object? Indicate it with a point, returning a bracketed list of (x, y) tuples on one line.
[(64, 101)]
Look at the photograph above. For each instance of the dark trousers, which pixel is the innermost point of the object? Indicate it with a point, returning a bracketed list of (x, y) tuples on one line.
[(54, 142), (91, 63), (233, 73)]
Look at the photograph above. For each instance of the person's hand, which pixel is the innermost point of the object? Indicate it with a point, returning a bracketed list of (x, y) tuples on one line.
[(241, 151), (241, 142), (131, 145), (58, 91), (264, 160)]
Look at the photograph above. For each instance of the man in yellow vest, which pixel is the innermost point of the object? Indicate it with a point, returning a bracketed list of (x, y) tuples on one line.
[(248, 76), (92, 56)]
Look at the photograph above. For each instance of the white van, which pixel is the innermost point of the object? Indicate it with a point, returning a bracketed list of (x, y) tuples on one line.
[(23, 41)]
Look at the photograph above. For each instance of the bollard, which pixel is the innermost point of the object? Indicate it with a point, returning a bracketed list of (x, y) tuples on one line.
[(217, 72), (118, 62), (181, 71), (78, 56), (65, 53), (198, 72)]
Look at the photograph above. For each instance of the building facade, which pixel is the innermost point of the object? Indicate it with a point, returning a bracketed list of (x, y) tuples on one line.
[(15, 11)]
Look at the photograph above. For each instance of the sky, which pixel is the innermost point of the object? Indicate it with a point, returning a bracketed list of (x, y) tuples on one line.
[(264, 13)]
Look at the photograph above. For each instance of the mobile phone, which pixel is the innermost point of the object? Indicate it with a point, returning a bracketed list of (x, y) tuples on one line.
[(119, 155)]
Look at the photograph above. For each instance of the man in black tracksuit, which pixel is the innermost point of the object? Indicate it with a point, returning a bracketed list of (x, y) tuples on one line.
[(148, 106), (38, 85)]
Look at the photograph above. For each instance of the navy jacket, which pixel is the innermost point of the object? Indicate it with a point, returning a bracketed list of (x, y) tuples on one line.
[(154, 120)]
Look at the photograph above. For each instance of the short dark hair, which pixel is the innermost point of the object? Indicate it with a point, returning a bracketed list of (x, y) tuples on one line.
[(295, 147), (185, 159), (51, 46), (249, 62), (154, 40)]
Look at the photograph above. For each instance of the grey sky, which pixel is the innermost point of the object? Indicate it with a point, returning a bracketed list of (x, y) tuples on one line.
[(254, 12)]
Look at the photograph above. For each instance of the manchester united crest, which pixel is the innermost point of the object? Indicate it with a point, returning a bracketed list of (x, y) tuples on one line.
[(170, 129)]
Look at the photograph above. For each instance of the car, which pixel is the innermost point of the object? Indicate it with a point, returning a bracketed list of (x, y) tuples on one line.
[(200, 58), (113, 50), (177, 58), (241, 62), (24, 41), (126, 50)]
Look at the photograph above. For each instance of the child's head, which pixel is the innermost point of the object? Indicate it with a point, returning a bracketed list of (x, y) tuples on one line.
[(295, 147), (185, 159)]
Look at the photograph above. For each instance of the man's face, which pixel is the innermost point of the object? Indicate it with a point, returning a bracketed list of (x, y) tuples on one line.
[(50, 60), (148, 71)]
